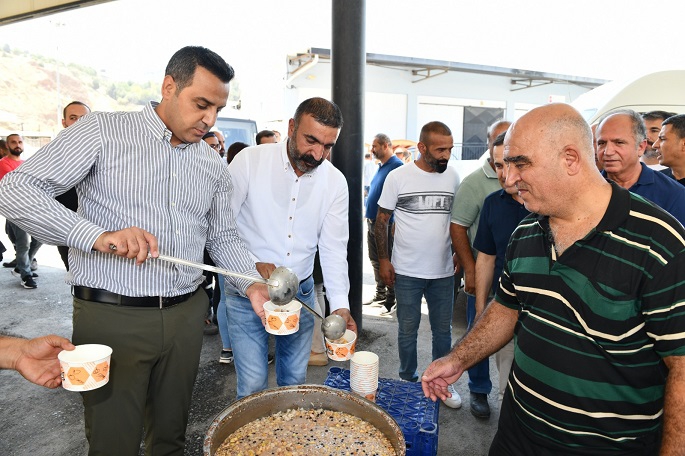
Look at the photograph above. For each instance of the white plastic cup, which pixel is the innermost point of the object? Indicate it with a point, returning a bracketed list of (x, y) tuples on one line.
[(86, 367), (364, 374), (282, 320), (342, 351)]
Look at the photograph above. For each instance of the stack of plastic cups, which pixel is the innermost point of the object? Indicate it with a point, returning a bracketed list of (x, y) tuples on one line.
[(364, 374)]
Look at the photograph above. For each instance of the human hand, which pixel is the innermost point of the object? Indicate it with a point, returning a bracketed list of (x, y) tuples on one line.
[(440, 374), (258, 294), (265, 269), (131, 242), (387, 272), (455, 262), (37, 359), (470, 281), (350, 323)]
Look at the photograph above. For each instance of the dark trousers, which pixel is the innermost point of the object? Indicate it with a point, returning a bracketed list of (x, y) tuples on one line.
[(381, 288), (155, 358)]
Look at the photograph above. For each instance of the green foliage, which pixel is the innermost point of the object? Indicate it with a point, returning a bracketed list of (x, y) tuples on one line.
[(133, 93)]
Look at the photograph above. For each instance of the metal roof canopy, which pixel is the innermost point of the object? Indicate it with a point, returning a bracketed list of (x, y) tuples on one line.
[(21, 10), (427, 68)]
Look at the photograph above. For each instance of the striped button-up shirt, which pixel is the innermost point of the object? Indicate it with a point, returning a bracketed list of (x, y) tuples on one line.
[(127, 173)]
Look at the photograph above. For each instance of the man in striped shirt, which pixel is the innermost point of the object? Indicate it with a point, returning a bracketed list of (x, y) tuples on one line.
[(146, 183), (592, 290)]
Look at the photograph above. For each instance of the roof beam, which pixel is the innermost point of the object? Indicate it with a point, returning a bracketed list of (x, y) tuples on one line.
[(423, 65), (22, 10)]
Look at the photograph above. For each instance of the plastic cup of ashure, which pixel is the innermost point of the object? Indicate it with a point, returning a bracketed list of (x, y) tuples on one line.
[(341, 349), (86, 367), (282, 320)]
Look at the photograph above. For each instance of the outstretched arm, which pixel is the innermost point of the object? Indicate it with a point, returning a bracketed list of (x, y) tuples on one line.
[(490, 333), (673, 439), (35, 359)]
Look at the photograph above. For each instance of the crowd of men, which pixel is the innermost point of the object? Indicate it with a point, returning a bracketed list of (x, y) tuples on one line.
[(569, 239)]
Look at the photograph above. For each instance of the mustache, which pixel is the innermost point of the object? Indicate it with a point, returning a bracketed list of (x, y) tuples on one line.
[(308, 159)]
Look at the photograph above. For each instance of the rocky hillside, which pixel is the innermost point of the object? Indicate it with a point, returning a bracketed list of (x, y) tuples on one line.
[(30, 98)]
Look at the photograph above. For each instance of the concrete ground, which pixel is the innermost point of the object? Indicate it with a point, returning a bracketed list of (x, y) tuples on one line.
[(36, 421)]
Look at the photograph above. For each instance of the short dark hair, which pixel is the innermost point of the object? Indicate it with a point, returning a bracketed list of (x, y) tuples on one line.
[(499, 140), (382, 138), (657, 115), (184, 62), (233, 150), (64, 111), (434, 127), (264, 134), (12, 134), (323, 111), (678, 123), (210, 135), (3, 144)]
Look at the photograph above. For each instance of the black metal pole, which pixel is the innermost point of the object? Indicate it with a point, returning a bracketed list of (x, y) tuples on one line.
[(348, 59)]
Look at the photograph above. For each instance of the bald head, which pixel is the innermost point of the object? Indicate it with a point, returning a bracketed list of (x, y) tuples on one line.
[(557, 125), (546, 151)]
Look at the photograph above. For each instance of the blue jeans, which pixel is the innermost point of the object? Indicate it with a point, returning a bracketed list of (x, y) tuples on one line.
[(479, 374), (221, 318), (439, 295), (251, 344)]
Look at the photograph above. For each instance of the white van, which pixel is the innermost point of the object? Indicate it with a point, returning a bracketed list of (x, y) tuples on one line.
[(662, 90)]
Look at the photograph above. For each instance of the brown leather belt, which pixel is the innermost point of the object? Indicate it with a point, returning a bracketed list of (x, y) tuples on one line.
[(107, 297)]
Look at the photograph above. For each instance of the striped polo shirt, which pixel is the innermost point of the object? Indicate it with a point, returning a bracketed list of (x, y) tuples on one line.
[(594, 326)]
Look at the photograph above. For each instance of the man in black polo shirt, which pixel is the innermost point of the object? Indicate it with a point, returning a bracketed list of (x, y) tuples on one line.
[(592, 290)]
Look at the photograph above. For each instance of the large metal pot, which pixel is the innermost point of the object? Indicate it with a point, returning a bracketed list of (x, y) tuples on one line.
[(275, 400)]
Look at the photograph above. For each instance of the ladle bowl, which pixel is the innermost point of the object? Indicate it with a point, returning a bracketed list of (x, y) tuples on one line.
[(333, 327), (283, 286)]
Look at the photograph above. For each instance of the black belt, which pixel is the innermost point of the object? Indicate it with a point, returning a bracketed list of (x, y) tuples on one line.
[(107, 297)]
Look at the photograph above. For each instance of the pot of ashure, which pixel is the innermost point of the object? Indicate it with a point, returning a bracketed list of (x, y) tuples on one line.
[(268, 402)]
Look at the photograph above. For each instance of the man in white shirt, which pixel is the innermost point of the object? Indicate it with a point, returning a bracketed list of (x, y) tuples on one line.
[(420, 195), (288, 199)]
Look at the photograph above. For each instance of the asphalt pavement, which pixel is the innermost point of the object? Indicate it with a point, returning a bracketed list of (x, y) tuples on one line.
[(35, 421)]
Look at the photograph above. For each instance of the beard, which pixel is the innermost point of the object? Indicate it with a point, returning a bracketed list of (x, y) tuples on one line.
[(437, 165), (304, 163), (651, 153), (16, 152)]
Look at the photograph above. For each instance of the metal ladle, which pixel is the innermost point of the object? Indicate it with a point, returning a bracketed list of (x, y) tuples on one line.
[(333, 326), (282, 282), (282, 285)]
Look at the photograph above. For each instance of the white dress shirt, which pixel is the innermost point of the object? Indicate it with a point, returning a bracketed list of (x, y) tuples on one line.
[(282, 217)]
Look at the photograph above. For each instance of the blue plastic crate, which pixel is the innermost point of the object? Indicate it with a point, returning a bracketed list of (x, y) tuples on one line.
[(405, 402)]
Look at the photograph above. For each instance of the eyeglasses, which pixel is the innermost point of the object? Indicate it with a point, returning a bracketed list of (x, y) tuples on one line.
[(215, 146)]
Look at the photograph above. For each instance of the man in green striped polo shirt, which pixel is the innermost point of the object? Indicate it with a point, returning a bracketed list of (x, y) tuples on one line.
[(593, 292)]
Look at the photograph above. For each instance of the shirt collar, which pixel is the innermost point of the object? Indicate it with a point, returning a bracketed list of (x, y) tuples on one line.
[(392, 159), (286, 162), (156, 126), (487, 169)]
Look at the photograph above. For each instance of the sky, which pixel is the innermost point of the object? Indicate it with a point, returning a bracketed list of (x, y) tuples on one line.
[(133, 39)]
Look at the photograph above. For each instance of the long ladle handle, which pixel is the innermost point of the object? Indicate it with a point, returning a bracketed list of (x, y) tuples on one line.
[(206, 267), (309, 309)]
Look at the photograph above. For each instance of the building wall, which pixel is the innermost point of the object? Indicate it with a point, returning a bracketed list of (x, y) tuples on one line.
[(397, 106)]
